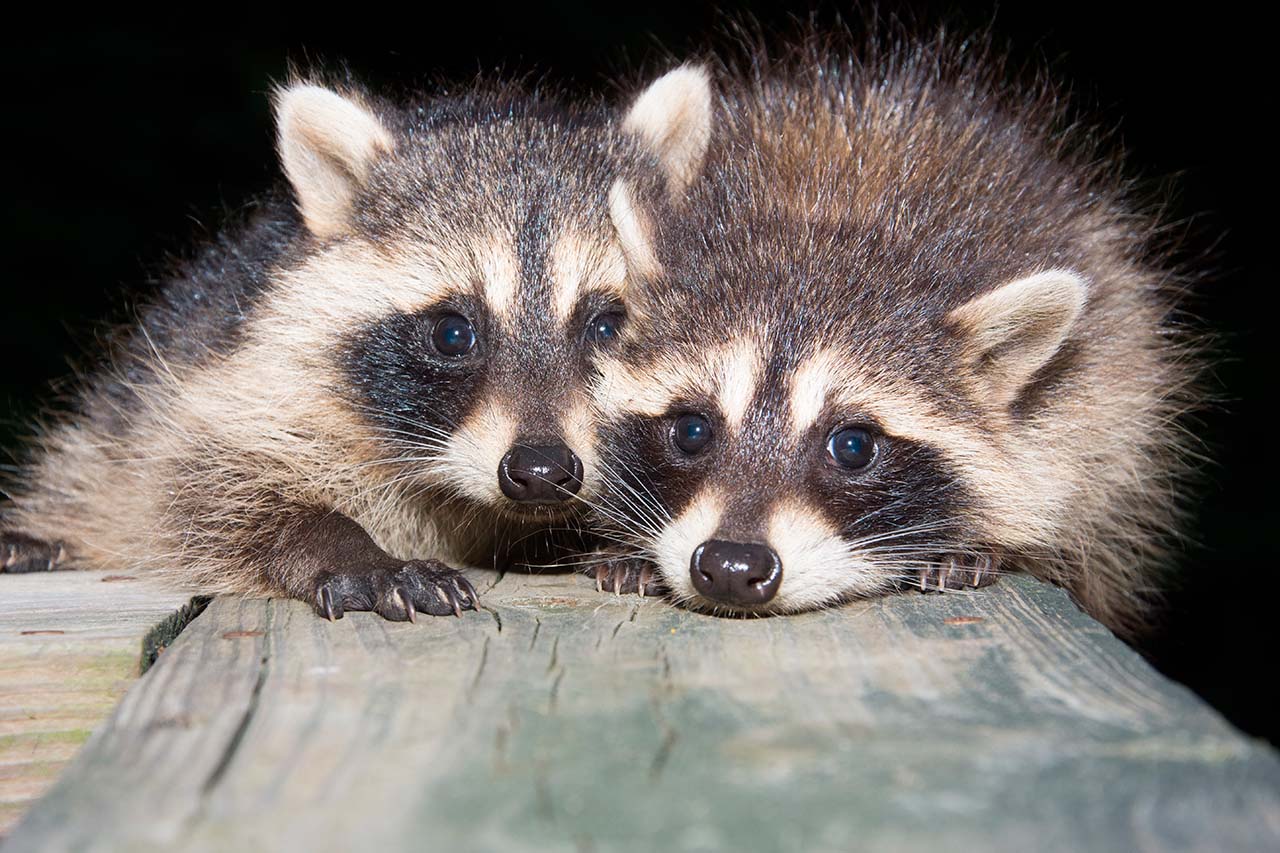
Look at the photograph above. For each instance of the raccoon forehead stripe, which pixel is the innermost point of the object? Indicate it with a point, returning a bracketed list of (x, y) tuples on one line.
[(646, 390), (738, 373), (730, 373), (633, 230), (580, 264), (500, 274), (809, 388)]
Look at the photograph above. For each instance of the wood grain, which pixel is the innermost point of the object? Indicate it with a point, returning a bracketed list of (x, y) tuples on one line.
[(70, 645), (563, 719)]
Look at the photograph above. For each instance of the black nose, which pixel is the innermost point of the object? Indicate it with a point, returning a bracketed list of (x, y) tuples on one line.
[(736, 572), (538, 474)]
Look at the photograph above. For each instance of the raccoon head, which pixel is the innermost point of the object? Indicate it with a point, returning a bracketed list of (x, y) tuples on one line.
[(811, 409), (775, 468), (462, 275)]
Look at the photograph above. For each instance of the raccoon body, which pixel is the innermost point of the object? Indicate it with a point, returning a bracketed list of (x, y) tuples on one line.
[(383, 375), (902, 329)]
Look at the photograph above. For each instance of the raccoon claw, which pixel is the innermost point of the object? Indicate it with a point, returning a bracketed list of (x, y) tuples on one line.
[(955, 571), (330, 605), (398, 595), (405, 601), (20, 554), (626, 576)]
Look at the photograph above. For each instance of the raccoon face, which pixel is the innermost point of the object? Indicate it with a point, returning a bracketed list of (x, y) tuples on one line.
[(780, 472), (769, 487), (466, 274), (488, 399)]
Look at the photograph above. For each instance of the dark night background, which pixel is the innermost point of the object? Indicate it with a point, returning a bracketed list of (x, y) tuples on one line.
[(127, 145)]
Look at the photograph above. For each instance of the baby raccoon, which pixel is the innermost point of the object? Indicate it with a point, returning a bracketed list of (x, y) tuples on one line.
[(383, 374), (902, 329)]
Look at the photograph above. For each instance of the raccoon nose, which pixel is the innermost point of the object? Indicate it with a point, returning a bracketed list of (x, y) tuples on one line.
[(736, 572), (540, 474)]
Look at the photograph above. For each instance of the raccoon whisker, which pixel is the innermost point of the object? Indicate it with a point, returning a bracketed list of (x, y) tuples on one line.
[(413, 422), (589, 503), (388, 461), (928, 548), (619, 516), (441, 440), (412, 439), (892, 506), (652, 515), (625, 525), (622, 527), (589, 561), (899, 533), (609, 511), (643, 502), (644, 495)]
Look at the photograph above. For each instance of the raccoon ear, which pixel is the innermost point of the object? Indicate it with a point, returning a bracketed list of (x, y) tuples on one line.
[(326, 143), (673, 120), (1013, 331)]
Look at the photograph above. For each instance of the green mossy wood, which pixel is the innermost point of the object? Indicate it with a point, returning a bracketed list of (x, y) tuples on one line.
[(562, 719), (69, 648)]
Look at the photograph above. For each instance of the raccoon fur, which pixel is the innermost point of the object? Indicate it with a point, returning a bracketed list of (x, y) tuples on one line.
[(380, 377), (904, 327)]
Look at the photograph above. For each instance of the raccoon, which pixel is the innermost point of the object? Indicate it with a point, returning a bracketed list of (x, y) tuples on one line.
[(378, 378), (905, 328)]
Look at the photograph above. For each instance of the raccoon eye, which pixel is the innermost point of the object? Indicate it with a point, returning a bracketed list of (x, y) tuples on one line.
[(604, 327), (852, 447), (453, 335), (691, 433)]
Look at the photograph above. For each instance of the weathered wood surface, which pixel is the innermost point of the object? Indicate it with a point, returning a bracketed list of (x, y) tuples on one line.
[(70, 643), (565, 720)]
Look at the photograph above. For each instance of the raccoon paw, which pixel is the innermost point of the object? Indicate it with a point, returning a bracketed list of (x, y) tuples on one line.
[(418, 586), (19, 553), (959, 571), (625, 576)]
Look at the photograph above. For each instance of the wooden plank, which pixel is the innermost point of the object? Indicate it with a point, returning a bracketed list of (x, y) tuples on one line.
[(70, 645), (563, 719)]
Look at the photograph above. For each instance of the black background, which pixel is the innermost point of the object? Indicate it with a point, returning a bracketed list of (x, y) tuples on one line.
[(127, 144)]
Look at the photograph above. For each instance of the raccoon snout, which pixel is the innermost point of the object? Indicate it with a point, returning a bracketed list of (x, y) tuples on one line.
[(736, 572), (540, 474)]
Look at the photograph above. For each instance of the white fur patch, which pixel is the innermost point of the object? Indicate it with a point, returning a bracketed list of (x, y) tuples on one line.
[(818, 566), (673, 119), (675, 545), (625, 389), (634, 231), (344, 287), (809, 386), (500, 272), (578, 428), (580, 265), (469, 462), (326, 143), (739, 369), (730, 373)]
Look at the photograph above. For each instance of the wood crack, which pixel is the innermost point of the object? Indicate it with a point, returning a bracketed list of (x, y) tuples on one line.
[(251, 709), (484, 659)]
